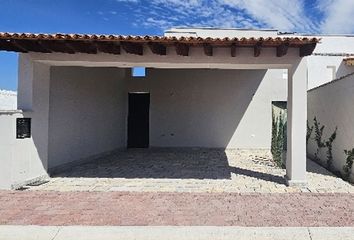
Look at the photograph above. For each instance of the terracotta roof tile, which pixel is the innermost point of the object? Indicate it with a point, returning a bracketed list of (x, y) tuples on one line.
[(13, 41)]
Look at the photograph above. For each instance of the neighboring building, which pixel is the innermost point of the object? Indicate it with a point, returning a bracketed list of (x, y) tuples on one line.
[(326, 63), (8, 100), (79, 98)]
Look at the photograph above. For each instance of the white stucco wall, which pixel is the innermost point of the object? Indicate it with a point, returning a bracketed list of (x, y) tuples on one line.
[(326, 64), (23, 160), (332, 105), (87, 114), (211, 108), (19, 157)]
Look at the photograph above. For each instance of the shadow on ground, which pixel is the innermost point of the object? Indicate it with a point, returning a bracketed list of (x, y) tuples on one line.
[(211, 164)]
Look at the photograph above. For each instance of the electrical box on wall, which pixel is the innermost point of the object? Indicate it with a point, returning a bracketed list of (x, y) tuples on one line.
[(23, 128)]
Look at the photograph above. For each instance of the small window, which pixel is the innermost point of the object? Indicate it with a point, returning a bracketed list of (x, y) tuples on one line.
[(138, 72)]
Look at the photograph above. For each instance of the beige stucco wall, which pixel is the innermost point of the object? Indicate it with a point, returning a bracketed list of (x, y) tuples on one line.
[(332, 105), (87, 113), (189, 108), (211, 108)]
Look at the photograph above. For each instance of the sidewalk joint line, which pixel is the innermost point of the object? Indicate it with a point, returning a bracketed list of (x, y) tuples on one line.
[(308, 230), (56, 234)]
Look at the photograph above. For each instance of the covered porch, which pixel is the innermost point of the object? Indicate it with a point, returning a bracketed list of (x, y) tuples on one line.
[(204, 93)]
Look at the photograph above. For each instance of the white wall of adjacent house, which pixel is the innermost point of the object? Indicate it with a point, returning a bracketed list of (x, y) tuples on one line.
[(325, 64), (8, 100), (219, 32), (332, 105)]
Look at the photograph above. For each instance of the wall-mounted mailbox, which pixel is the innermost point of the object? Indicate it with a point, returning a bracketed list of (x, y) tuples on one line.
[(23, 128)]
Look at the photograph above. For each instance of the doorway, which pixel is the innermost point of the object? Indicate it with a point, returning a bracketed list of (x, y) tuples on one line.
[(138, 119)]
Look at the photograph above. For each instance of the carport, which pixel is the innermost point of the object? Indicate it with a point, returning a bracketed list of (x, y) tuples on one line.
[(78, 97)]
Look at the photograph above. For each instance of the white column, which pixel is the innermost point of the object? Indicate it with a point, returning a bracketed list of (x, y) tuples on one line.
[(296, 126)]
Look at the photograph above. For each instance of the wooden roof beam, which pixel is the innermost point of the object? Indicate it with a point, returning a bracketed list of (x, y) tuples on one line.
[(82, 46), (157, 48), (32, 46), (282, 49), (257, 49), (56, 46), (9, 45), (208, 49), (133, 48), (108, 47), (182, 49), (233, 50), (307, 49)]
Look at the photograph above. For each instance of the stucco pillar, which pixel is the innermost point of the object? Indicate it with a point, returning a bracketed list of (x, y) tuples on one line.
[(33, 99), (296, 126), (25, 83)]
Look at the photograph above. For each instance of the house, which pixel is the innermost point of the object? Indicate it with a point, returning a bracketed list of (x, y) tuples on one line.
[(78, 96)]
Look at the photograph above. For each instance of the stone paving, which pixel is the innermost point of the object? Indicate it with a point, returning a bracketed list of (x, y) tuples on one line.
[(50, 208), (189, 170)]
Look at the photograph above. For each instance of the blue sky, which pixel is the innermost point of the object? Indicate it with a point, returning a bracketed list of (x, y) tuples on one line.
[(142, 17)]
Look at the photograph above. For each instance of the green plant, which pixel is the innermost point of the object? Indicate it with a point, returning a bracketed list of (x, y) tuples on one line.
[(318, 137), (321, 143), (278, 138), (274, 132), (328, 144), (309, 132), (285, 140), (349, 163)]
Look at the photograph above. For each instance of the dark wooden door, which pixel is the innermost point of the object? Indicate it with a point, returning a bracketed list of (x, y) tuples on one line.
[(138, 120)]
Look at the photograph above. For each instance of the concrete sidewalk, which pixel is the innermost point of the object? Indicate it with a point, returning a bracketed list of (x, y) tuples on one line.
[(8, 232)]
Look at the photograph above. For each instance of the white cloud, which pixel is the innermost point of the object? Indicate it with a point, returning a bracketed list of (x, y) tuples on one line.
[(128, 1), (159, 23), (193, 13), (338, 16), (329, 16), (284, 15)]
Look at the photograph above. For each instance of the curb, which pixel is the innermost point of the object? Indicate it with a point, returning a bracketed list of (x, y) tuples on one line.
[(10, 232)]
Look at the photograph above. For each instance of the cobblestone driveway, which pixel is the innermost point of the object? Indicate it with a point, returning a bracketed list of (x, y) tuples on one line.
[(198, 170)]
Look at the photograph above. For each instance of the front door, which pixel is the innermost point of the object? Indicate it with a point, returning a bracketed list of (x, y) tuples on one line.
[(138, 120)]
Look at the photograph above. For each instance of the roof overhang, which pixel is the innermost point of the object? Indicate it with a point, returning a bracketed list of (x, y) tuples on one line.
[(349, 61), (112, 44)]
